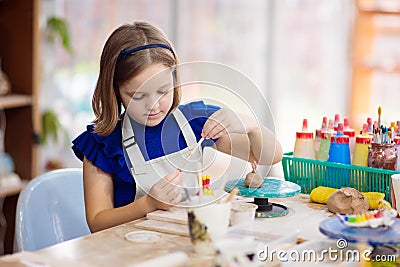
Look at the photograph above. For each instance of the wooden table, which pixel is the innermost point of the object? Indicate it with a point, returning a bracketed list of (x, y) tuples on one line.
[(110, 248)]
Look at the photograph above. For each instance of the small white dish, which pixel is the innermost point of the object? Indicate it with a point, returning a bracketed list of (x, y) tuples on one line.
[(143, 237)]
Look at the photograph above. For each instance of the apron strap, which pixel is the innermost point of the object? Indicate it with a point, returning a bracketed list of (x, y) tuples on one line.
[(132, 149), (184, 125), (135, 156)]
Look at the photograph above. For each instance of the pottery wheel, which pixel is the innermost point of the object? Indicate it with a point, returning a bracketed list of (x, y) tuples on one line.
[(271, 188)]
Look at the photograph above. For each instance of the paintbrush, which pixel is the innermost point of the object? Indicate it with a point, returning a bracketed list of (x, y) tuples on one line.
[(379, 116), (232, 193), (191, 153)]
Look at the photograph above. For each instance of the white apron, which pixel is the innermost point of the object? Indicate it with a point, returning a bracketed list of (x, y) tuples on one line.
[(147, 173)]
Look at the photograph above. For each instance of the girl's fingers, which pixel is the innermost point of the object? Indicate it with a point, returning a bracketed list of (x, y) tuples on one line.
[(211, 128), (214, 120), (173, 176), (218, 131), (177, 179), (172, 195), (177, 199)]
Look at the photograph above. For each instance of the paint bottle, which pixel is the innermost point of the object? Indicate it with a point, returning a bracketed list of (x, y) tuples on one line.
[(370, 126), (325, 142), (318, 133), (363, 141), (339, 150), (351, 133), (398, 128), (304, 145)]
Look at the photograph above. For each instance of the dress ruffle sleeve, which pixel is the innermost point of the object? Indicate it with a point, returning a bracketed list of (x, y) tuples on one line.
[(105, 152)]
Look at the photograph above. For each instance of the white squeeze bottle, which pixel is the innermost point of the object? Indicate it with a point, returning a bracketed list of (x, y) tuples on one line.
[(351, 133), (304, 146), (318, 133)]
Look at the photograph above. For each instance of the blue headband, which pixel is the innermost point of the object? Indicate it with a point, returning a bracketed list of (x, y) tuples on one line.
[(125, 52)]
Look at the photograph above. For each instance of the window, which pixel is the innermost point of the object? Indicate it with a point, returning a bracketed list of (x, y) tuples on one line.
[(296, 52)]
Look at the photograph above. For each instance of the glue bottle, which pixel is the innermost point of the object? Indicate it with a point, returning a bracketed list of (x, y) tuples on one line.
[(339, 150), (351, 133), (304, 146), (318, 133), (363, 141), (325, 142)]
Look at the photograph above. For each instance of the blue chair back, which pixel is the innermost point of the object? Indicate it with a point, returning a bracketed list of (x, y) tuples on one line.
[(50, 210)]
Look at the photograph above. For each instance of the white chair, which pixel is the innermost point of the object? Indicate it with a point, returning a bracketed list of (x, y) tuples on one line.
[(50, 210)]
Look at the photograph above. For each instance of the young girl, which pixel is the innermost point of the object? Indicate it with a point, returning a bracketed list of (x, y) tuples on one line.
[(154, 133)]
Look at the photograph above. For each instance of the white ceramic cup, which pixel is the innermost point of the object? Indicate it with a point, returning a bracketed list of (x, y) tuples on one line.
[(207, 224), (395, 192), (242, 212)]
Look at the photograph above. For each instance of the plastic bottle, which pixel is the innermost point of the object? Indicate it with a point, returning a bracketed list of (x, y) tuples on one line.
[(370, 128), (304, 145), (363, 141), (318, 133), (339, 150), (351, 133), (325, 142), (398, 128)]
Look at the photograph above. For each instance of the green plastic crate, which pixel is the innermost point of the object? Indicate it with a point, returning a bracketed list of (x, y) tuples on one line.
[(309, 174)]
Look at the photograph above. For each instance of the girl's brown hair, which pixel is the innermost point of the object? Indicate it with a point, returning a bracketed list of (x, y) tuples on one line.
[(114, 72)]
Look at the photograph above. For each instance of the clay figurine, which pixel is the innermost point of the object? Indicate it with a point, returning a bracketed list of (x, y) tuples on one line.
[(253, 178)]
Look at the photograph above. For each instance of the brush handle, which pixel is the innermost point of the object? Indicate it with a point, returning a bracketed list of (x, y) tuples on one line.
[(232, 193), (191, 153)]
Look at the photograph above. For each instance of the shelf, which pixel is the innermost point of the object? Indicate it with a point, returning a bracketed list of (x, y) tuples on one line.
[(15, 101), (379, 68), (379, 6), (379, 11)]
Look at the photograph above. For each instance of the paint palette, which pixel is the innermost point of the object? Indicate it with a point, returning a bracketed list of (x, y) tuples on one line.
[(372, 219), (383, 235)]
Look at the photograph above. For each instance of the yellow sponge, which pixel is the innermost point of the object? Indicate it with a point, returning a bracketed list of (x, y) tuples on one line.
[(374, 199), (321, 195)]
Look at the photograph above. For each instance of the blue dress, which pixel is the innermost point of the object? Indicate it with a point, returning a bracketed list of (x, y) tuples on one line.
[(106, 153)]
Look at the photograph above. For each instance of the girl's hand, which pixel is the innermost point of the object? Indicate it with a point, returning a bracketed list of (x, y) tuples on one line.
[(226, 121), (165, 193)]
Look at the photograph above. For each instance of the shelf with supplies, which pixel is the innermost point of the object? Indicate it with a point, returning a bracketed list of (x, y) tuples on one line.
[(311, 173), (15, 101), (19, 53)]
